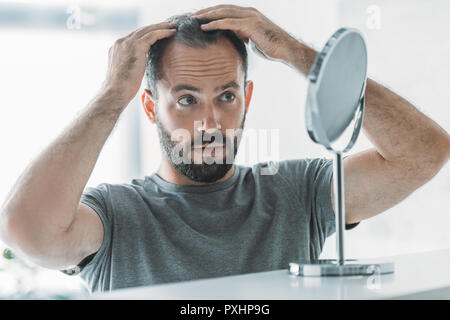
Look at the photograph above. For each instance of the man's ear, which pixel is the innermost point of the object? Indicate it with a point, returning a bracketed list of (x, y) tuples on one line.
[(149, 105), (248, 93)]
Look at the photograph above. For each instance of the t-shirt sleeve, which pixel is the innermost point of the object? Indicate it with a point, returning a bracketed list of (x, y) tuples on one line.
[(319, 173), (94, 197), (311, 179)]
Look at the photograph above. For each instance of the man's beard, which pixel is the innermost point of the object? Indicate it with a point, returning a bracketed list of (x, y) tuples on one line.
[(198, 172)]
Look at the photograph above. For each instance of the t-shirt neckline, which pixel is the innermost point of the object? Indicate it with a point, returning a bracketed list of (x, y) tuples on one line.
[(155, 178)]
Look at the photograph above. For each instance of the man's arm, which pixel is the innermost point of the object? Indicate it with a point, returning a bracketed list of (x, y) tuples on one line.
[(41, 217), (410, 148)]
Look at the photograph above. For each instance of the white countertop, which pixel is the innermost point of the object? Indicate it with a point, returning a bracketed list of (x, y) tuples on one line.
[(422, 275)]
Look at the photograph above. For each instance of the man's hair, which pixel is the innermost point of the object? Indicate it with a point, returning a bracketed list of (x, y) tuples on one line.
[(190, 34)]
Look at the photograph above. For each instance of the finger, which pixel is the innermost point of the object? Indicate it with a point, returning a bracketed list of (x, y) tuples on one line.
[(150, 38), (140, 30), (220, 6), (247, 10), (223, 13), (160, 26), (228, 24), (223, 24), (144, 30)]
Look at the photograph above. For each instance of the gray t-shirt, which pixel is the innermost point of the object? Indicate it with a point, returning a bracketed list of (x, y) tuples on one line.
[(158, 232)]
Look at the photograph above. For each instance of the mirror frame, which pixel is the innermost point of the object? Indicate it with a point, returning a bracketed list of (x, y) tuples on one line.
[(312, 114)]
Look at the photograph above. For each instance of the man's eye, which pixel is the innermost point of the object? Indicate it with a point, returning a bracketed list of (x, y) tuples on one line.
[(187, 100), (228, 97)]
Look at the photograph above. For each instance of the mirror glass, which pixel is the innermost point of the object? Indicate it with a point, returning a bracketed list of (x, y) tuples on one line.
[(337, 83)]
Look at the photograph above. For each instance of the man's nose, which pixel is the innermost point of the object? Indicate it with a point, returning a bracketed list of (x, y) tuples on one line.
[(210, 122)]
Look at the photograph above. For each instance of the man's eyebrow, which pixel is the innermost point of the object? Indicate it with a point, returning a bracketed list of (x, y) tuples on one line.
[(231, 84)]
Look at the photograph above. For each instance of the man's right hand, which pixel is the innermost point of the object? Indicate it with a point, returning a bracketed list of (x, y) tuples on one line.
[(128, 59)]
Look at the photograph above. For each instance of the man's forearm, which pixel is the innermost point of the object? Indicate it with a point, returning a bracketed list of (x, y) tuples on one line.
[(400, 131), (45, 198), (396, 128)]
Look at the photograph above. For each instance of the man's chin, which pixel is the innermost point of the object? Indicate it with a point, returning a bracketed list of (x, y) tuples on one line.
[(206, 173)]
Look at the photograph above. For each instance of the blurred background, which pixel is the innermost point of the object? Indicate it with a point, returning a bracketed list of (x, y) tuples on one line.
[(53, 58)]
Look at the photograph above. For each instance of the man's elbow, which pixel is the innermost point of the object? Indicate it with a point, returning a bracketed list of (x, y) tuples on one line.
[(446, 148), (432, 162), (18, 236), (5, 227), (443, 153)]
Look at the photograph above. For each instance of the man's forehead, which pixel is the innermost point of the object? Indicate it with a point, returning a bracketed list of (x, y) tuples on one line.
[(202, 82), (183, 64), (222, 50), (191, 87)]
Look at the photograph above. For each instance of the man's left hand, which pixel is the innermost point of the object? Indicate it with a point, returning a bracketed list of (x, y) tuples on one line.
[(249, 24)]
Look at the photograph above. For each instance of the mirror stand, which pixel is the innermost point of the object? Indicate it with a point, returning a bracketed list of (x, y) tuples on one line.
[(342, 266)]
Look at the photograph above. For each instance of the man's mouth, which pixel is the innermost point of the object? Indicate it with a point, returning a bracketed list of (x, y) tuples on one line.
[(209, 146)]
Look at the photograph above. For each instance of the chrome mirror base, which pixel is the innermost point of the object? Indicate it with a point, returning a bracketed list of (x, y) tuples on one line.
[(330, 267)]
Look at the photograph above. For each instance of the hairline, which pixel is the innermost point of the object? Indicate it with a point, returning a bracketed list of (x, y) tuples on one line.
[(195, 45)]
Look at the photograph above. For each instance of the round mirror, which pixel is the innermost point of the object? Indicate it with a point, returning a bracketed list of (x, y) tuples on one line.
[(336, 96), (337, 82)]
